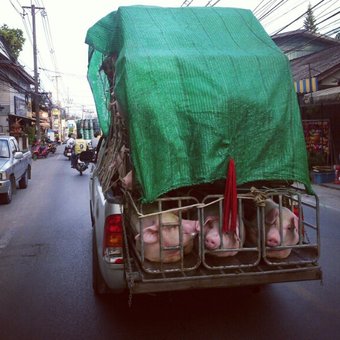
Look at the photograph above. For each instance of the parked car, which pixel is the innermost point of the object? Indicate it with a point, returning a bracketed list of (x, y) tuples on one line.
[(15, 167)]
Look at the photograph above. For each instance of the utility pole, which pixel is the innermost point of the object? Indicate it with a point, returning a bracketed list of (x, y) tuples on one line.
[(57, 88), (310, 84), (36, 75)]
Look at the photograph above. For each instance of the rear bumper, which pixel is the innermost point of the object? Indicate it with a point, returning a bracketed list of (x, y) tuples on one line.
[(147, 284), (118, 278), (114, 276)]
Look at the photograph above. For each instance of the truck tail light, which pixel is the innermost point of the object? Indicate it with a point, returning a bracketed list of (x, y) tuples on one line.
[(113, 239), (113, 231)]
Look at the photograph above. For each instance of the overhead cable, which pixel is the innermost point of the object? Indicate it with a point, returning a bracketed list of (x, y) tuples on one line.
[(298, 18)]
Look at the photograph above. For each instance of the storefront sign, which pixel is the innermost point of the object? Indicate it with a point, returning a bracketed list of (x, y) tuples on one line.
[(317, 136)]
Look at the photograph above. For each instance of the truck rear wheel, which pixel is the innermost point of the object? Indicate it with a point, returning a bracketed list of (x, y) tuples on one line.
[(98, 283)]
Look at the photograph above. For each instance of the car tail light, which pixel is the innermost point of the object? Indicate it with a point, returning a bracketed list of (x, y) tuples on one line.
[(113, 239)]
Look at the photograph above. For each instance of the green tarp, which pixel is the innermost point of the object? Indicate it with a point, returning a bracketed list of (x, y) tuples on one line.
[(199, 86)]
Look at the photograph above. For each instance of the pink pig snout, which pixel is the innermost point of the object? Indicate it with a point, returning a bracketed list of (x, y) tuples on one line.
[(212, 240), (273, 238), (289, 223)]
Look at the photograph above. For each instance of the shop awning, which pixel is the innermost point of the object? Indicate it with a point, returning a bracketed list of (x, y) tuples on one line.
[(306, 85), (323, 96)]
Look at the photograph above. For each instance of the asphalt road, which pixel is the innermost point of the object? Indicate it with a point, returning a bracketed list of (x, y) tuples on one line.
[(45, 279)]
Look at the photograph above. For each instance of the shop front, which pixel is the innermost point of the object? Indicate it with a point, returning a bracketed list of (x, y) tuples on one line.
[(321, 123)]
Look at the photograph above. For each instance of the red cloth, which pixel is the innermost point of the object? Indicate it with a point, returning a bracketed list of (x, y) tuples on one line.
[(230, 200)]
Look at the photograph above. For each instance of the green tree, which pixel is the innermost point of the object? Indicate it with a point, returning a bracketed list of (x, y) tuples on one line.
[(310, 22), (14, 38)]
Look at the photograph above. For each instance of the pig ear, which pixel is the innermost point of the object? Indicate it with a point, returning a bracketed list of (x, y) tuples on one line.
[(208, 221), (150, 234), (272, 215), (294, 223), (190, 226)]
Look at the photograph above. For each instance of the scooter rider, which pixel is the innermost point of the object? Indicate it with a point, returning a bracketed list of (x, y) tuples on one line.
[(80, 145), (70, 141), (69, 146)]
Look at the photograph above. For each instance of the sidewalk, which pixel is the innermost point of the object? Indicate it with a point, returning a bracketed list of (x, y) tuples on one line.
[(330, 185)]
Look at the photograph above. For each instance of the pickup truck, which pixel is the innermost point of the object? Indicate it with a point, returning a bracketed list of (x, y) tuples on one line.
[(201, 178), (15, 167), (119, 263)]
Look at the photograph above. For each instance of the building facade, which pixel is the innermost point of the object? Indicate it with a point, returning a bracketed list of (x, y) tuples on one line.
[(315, 66), (16, 116), (16, 101)]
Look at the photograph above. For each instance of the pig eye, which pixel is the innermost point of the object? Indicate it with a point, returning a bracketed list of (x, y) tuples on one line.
[(291, 227), (169, 226)]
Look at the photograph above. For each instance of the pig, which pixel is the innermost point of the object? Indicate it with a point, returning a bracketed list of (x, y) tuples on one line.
[(212, 238), (170, 237), (290, 225)]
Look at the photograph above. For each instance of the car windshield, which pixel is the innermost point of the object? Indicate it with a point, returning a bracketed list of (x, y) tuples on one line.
[(4, 151)]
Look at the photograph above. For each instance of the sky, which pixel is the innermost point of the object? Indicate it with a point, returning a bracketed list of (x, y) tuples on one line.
[(61, 30)]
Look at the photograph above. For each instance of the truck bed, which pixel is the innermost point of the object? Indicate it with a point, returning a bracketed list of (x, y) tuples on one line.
[(250, 266)]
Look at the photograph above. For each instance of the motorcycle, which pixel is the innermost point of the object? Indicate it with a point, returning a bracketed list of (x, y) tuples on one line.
[(39, 151), (68, 151), (83, 160), (52, 147)]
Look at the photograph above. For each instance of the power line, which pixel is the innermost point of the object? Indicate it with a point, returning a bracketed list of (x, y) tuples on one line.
[(64, 73), (18, 11), (281, 15), (260, 10), (273, 9), (331, 16), (259, 5), (49, 43), (186, 3), (298, 18), (215, 3)]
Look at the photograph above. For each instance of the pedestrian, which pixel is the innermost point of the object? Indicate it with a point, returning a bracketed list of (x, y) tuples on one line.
[(95, 140)]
